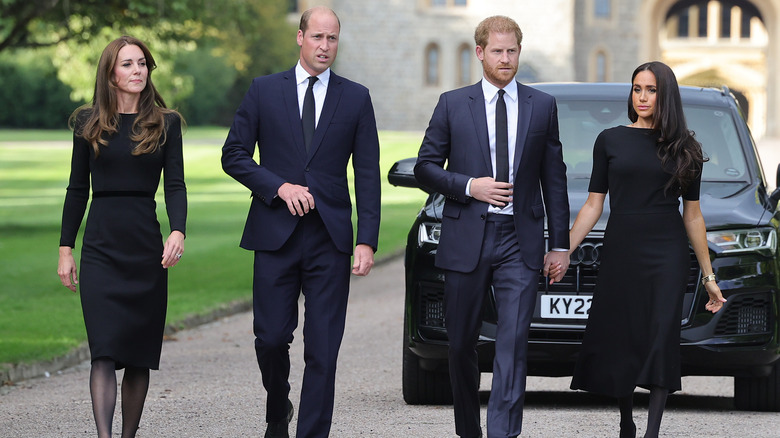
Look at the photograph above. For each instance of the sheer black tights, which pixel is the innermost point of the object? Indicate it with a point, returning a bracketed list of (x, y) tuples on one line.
[(655, 412), (102, 387)]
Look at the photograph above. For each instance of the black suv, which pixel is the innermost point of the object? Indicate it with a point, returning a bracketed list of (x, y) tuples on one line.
[(742, 340)]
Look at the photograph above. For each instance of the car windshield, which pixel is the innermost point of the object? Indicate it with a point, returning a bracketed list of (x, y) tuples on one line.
[(582, 121)]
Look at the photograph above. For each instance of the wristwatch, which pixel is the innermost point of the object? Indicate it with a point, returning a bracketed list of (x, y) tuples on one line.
[(707, 278)]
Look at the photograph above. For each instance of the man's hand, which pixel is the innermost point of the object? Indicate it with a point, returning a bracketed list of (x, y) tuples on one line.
[(555, 265), (486, 189), (364, 260), (299, 200)]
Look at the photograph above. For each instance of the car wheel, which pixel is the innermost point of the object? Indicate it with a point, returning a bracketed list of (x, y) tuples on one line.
[(758, 393), (421, 386)]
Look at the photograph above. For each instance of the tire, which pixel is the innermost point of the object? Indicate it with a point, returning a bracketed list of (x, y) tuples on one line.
[(758, 393), (420, 386)]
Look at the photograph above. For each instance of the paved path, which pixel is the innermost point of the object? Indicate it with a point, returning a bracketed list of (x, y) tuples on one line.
[(209, 386)]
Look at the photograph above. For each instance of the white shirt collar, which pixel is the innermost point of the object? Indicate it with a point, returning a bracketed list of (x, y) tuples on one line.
[(302, 75), (490, 91)]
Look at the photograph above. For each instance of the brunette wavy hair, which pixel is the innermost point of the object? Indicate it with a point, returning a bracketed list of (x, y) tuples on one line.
[(101, 118), (678, 148)]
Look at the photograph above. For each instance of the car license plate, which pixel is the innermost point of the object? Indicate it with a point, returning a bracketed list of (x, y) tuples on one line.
[(565, 306)]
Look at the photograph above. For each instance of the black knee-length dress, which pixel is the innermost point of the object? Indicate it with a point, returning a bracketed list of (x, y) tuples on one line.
[(123, 287), (632, 336)]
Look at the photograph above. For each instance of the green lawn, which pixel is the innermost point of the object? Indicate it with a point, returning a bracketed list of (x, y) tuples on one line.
[(40, 319)]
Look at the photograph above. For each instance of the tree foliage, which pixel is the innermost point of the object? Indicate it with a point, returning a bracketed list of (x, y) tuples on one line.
[(32, 95), (207, 51), (40, 23)]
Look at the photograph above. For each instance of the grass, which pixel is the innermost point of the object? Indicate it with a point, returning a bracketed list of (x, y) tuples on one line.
[(40, 319)]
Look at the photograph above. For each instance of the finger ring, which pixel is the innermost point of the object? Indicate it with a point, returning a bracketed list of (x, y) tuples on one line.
[(178, 256)]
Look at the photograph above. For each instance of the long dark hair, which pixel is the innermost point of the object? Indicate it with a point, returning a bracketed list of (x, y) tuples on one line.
[(678, 149), (102, 117)]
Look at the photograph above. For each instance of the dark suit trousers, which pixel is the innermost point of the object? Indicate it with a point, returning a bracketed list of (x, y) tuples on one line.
[(515, 288), (310, 263)]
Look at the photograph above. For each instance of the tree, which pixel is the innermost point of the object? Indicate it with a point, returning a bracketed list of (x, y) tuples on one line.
[(41, 23), (207, 51)]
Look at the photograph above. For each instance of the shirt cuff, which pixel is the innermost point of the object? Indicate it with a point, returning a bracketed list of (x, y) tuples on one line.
[(468, 187), (559, 249)]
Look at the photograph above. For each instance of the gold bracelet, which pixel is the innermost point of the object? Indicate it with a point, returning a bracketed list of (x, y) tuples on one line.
[(707, 278)]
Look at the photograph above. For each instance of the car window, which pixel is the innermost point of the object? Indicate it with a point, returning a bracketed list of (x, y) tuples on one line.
[(580, 122), (716, 131)]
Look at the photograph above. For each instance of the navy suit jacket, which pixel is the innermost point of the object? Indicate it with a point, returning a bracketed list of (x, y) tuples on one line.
[(269, 118), (458, 136)]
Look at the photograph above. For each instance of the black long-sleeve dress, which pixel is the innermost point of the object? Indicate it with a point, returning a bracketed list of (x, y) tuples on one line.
[(632, 336), (124, 289)]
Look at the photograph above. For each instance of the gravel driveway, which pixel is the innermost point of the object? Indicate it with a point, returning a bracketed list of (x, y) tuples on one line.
[(209, 386)]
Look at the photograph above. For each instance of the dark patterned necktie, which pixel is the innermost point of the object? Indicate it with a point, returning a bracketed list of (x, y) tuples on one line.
[(307, 116), (502, 140)]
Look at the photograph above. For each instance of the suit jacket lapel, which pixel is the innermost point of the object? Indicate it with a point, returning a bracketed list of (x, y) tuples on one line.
[(525, 107), (332, 98), (477, 107), (290, 96)]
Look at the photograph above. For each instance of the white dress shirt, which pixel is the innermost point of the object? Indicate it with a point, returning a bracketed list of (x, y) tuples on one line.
[(320, 89), (490, 93)]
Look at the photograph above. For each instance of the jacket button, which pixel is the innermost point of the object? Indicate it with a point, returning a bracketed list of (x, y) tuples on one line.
[(482, 216), (307, 169)]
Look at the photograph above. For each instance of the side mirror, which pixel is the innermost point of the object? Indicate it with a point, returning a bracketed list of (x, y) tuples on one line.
[(401, 174), (775, 196)]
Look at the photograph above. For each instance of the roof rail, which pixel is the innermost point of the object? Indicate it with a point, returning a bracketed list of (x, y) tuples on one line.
[(725, 90)]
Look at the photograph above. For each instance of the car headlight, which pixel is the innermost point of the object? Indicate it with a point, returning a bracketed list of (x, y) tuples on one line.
[(428, 233), (761, 240)]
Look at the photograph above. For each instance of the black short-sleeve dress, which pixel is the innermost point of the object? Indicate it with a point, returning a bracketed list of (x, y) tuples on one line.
[(123, 287), (632, 336)]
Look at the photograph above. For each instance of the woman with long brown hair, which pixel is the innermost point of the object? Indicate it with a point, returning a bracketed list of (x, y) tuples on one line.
[(122, 143), (633, 333)]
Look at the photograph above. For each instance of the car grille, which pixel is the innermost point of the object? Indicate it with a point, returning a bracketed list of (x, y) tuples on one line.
[(431, 304), (584, 267), (746, 314), (580, 277), (582, 272)]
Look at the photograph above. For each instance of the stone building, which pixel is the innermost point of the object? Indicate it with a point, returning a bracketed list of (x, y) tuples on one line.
[(410, 51)]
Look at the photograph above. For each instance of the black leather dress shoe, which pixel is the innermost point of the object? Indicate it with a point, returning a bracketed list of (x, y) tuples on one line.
[(279, 429)]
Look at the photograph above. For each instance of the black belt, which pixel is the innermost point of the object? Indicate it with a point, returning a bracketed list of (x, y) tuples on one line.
[(122, 194), (497, 217)]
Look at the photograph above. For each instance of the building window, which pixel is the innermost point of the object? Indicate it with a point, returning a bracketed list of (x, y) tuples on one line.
[(432, 64), (601, 67), (683, 28), (602, 8), (448, 3), (464, 65), (691, 19)]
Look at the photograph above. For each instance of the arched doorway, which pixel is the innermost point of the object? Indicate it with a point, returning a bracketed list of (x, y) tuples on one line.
[(720, 42)]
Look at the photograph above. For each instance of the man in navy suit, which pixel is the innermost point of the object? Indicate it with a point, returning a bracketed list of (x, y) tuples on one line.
[(504, 170), (299, 224)]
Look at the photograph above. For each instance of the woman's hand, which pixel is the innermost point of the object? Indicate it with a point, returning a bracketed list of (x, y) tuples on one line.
[(66, 268), (173, 249), (716, 298)]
